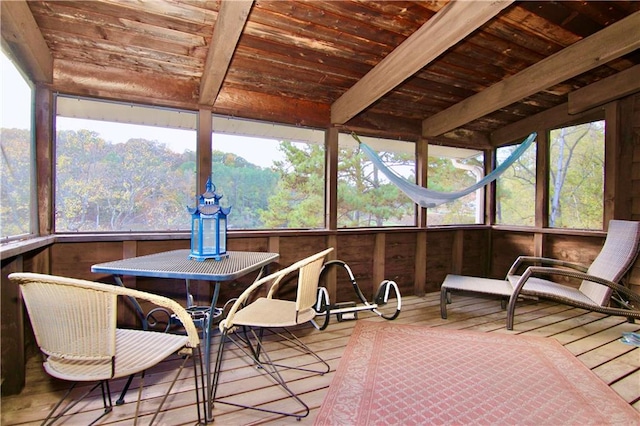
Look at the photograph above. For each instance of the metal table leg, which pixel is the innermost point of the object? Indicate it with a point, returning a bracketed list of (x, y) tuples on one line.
[(213, 312), (204, 317)]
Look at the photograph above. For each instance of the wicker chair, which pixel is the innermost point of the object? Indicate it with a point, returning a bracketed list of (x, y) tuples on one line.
[(244, 326), (74, 322), (600, 289)]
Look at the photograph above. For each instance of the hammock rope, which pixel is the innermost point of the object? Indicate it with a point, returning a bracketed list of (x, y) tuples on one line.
[(427, 198)]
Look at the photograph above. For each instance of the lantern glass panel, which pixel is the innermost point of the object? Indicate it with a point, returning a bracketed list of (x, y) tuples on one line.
[(195, 239), (209, 234), (222, 235)]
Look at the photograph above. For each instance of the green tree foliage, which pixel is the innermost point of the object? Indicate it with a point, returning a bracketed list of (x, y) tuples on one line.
[(516, 189), (15, 181), (298, 198), (244, 186), (576, 181), (141, 185), (365, 198), (444, 176), (134, 186)]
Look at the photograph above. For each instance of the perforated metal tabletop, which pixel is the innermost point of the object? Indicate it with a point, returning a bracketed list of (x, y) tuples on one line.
[(176, 264)]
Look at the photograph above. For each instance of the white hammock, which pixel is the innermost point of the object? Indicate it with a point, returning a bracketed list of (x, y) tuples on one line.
[(427, 198)]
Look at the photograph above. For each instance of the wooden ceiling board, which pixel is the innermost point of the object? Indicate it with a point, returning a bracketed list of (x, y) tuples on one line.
[(308, 54)]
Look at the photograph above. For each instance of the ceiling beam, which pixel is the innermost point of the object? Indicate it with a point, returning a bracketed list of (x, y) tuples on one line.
[(452, 23), (608, 44), (23, 39), (617, 86), (552, 118), (232, 17)]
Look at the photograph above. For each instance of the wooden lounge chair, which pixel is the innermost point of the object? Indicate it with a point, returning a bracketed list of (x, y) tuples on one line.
[(74, 322), (599, 291), (245, 325)]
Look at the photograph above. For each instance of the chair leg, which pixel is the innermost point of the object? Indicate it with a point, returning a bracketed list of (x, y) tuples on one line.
[(106, 400), (444, 299), (267, 366), (200, 390), (511, 311), (216, 369), (185, 358), (120, 399), (293, 339)]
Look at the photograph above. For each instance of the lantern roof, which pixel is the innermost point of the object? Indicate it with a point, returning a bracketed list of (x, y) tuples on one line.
[(209, 202)]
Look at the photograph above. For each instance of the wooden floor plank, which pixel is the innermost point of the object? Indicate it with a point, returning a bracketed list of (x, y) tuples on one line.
[(592, 337)]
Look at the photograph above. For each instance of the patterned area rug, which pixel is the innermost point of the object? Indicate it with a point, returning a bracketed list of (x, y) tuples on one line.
[(392, 374)]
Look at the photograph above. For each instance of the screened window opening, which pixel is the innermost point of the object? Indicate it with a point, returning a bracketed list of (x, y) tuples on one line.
[(451, 170), (576, 176), (17, 161), (272, 175), (366, 198), (123, 167), (516, 188)]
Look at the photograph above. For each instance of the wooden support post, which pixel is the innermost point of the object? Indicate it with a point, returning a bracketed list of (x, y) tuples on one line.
[(203, 149), (331, 276), (44, 140), (422, 167), (331, 178), (379, 259), (420, 282)]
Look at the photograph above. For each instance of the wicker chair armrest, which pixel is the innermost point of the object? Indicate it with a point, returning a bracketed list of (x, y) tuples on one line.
[(240, 301), (165, 302), (527, 261), (274, 278), (537, 271)]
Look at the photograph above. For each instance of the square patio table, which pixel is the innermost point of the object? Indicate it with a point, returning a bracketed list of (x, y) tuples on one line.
[(176, 264)]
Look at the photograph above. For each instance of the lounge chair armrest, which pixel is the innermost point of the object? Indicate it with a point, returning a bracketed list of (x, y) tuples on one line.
[(526, 261), (537, 271)]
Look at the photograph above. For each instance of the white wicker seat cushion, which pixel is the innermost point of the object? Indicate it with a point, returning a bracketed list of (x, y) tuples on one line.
[(136, 350), (266, 312)]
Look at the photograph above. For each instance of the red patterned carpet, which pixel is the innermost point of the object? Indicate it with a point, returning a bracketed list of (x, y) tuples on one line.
[(392, 374)]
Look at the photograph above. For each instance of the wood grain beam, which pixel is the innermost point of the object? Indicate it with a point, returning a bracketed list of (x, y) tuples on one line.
[(617, 86), (545, 120), (226, 33), (451, 24), (23, 39), (606, 45)]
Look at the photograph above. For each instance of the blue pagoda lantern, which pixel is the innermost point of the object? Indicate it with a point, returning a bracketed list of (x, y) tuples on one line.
[(208, 226)]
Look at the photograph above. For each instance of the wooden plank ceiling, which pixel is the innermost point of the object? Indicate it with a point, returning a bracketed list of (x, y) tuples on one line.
[(451, 71)]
